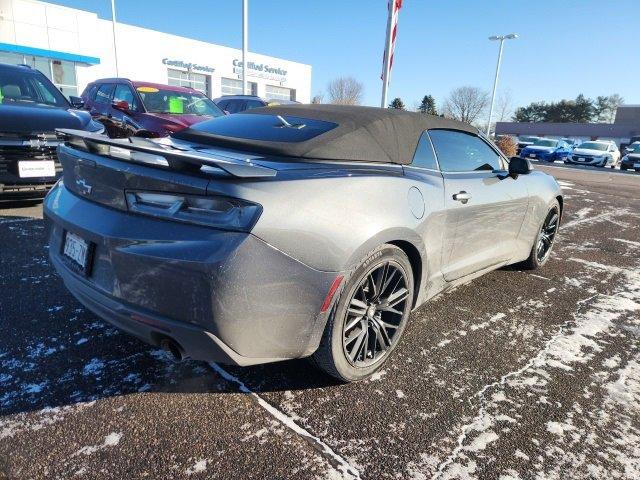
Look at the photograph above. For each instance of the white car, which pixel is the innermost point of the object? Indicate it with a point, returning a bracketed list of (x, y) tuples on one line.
[(597, 153)]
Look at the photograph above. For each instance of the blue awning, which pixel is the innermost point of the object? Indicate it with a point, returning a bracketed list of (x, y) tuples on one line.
[(41, 52)]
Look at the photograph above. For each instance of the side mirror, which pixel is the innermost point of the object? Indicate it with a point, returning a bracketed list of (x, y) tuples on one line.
[(76, 102), (121, 105), (519, 166)]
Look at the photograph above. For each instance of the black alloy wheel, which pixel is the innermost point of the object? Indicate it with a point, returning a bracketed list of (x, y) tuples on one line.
[(369, 315), (547, 235), (375, 313)]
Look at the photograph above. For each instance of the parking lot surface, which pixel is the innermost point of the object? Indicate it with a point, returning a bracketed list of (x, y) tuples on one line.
[(514, 375)]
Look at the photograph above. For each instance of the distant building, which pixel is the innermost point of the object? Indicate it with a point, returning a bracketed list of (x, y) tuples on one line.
[(625, 125)]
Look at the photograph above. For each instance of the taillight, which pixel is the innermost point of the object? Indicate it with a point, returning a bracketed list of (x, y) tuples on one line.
[(213, 211)]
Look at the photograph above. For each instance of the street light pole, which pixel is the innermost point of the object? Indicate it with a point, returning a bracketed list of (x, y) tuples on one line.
[(113, 26), (502, 38), (245, 43)]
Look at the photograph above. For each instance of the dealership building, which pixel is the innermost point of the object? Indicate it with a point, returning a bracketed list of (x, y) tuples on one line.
[(74, 47)]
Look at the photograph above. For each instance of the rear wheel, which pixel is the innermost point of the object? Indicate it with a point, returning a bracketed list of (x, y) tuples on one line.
[(369, 316), (541, 249)]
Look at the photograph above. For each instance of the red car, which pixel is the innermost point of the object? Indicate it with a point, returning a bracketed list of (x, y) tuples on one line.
[(129, 108)]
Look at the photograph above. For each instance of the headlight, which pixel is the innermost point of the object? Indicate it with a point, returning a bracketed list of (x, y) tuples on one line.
[(625, 158), (221, 212)]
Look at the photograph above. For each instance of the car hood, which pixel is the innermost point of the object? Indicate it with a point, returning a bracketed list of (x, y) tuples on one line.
[(183, 120), (588, 151), (540, 149), (633, 156), (34, 119)]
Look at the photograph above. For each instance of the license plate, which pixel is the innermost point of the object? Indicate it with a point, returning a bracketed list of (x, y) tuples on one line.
[(532, 155), (76, 249), (636, 165), (580, 159), (42, 168)]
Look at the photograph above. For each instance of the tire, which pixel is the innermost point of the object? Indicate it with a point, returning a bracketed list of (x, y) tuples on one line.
[(534, 261), (345, 354), (623, 168)]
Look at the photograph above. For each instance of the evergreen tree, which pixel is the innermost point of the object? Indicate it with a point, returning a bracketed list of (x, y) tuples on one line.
[(428, 105), (397, 103)]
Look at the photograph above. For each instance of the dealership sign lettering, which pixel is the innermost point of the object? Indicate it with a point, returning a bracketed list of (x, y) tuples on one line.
[(260, 70), (188, 66)]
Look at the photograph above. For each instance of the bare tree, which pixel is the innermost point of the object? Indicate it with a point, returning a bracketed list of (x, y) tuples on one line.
[(466, 104), (345, 91), (318, 98), (504, 106)]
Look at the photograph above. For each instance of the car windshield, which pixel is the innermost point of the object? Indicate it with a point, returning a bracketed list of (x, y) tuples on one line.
[(595, 146), (546, 143), (29, 87), (157, 100), (528, 139), (267, 128), (635, 147)]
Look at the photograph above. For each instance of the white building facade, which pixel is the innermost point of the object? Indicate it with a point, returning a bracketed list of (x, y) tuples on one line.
[(74, 47)]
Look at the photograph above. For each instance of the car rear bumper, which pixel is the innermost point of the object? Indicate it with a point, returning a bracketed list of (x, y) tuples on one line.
[(222, 296)]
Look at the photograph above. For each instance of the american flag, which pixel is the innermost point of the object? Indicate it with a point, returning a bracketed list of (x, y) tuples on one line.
[(393, 25)]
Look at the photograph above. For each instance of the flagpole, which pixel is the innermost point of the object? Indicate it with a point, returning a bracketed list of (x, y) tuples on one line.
[(113, 25), (387, 57), (245, 43)]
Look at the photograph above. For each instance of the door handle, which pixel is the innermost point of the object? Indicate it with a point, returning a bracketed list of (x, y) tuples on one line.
[(462, 196)]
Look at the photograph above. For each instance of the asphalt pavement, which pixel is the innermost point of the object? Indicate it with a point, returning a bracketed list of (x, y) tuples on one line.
[(515, 375)]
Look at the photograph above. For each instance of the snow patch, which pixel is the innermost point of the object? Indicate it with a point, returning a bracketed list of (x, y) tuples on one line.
[(110, 440)]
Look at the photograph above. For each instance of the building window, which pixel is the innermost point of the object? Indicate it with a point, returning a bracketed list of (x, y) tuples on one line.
[(280, 93), (231, 86), (60, 72), (197, 81)]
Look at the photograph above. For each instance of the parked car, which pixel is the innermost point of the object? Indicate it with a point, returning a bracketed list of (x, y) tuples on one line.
[(547, 149), (291, 231), (631, 161), (130, 108), (631, 147), (240, 103), (597, 153), (31, 108), (525, 141)]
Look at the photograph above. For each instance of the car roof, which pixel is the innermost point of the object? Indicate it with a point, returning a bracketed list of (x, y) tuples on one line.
[(20, 68), (139, 83), (366, 134), (240, 97)]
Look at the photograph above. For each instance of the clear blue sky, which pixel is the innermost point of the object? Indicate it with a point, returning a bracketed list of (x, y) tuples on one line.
[(565, 47)]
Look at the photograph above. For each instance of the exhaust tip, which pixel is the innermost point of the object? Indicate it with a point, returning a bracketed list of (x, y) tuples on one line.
[(173, 348)]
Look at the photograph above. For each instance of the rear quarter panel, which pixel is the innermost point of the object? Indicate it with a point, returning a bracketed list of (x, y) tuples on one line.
[(330, 219)]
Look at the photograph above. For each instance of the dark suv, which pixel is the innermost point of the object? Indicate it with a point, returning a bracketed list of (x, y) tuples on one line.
[(128, 108), (31, 108), (240, 103)]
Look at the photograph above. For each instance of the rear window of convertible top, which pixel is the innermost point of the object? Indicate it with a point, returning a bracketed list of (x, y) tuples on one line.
[(267, 128)]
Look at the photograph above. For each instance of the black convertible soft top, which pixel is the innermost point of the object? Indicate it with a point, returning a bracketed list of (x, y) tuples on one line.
[(353, 133)]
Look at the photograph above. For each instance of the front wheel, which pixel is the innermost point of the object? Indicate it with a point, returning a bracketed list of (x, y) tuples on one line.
[(368, 318), (541, 249)]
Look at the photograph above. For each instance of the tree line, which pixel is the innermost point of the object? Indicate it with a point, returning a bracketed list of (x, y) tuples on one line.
[(470, 105)]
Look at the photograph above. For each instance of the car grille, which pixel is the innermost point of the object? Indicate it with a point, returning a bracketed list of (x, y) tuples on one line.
[(14, 148)]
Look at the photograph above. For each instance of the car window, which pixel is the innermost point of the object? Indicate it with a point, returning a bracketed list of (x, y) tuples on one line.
[(234, 106), (28, 88), (124, 93), (103, 95), (463, 152), (253, 104), (424, 156), (222, 104)]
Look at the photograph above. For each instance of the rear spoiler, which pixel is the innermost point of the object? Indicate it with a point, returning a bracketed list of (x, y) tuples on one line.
[(101, 145)]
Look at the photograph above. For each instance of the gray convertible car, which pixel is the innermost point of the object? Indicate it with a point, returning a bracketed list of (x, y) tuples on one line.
[(291, 231)]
